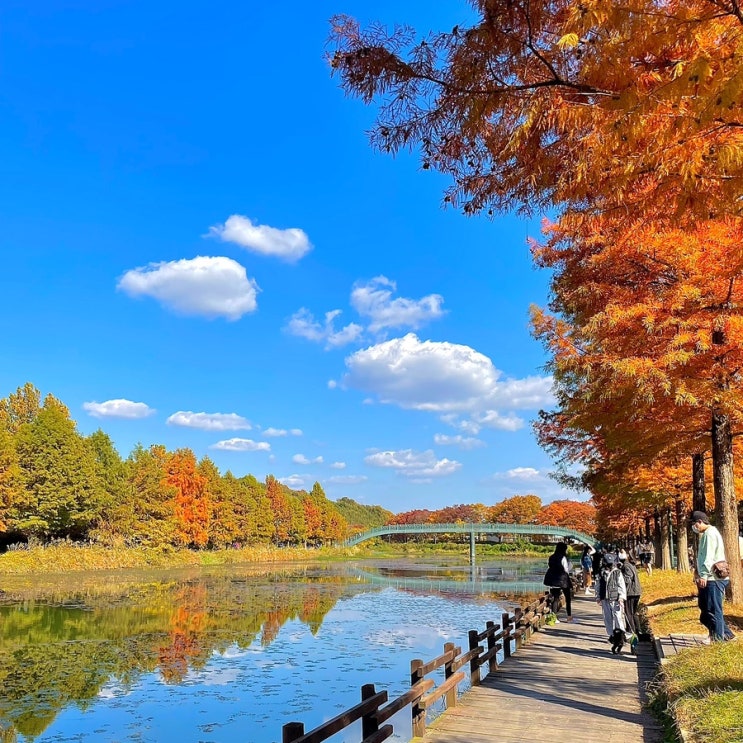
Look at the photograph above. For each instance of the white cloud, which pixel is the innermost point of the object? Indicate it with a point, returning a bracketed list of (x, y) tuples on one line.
[(373, 300), (338, 466), (209, 421), (118, 409), (241, 445), (521, 473), (463, 442), (205, 286), (347, 479), (413, 464), (332, 384), (303, 324), (289, 245), (295, 481), (276, 432), (454, 380), (301, 459)]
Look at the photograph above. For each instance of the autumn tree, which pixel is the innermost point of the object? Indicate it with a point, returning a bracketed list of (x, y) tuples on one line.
[(191, 500), (21, 406), (519, 509), (569, 513), (538, 105), (9, 477), (280, 510), (646, 338)]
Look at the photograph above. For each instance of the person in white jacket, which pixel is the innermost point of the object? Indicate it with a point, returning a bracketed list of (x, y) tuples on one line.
[(612, 595)]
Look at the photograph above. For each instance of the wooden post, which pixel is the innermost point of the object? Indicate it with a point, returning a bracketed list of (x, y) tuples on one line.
[(417, 710), (368, 722), (292, 731), (451, 695), (505, 622), (474, 662), (472, 548), (516, 617), (493, 662)]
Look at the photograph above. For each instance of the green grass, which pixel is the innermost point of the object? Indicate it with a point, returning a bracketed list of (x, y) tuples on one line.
[(700, 688)]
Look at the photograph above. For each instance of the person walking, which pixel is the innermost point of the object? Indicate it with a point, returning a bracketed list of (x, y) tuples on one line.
[(586, 563), (611, 595), (711, 576), (557, 578), (645, 551), (634, 591)]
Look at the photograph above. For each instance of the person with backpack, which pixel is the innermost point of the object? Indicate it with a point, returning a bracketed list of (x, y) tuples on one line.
[(557, 578), (612, 595), (634, 591)]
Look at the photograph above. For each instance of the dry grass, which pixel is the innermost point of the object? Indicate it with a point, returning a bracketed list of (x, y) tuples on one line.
[(701, 687)]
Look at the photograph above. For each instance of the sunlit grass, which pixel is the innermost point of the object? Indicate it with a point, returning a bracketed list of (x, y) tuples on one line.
[(702, 686), (67, 557)]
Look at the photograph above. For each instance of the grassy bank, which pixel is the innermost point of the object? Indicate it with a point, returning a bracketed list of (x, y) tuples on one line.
[(701, 688), (69, 557)]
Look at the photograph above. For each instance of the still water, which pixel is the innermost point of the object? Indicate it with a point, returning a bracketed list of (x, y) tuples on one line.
[(233, 653)]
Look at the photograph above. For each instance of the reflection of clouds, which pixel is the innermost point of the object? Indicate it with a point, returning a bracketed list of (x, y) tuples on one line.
[(112, 690), (407, 636), (235, 651), (215, 677)]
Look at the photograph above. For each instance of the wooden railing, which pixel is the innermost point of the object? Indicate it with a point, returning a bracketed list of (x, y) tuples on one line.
[(375, 710)]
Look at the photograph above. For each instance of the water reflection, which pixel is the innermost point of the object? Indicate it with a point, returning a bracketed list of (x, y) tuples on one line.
[(223, 654)]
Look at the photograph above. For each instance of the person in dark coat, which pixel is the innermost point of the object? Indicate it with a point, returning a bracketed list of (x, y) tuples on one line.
[(558, 579), (634, 591)]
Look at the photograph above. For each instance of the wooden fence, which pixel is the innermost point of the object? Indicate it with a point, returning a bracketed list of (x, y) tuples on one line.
[(375, 710)]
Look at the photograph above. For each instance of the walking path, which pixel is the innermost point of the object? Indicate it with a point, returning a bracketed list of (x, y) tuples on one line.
[(565, 682)]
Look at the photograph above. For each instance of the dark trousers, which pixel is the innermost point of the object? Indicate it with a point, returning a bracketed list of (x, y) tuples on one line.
[(556, 599), (630, 614), (710, 601)]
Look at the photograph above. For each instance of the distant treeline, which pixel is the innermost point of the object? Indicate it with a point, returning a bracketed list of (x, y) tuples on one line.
[(56, 483)]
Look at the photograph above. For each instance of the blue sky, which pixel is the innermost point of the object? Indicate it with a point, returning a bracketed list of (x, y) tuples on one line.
[(200, 249)]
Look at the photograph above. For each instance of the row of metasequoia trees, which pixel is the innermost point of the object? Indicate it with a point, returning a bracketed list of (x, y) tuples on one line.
[(625, 120), (57, 483)]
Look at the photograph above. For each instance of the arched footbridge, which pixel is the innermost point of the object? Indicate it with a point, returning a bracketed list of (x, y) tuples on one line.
[(473, 530)]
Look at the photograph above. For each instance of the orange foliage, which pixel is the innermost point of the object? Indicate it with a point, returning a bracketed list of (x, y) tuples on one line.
[(574, 514), (192, 507)]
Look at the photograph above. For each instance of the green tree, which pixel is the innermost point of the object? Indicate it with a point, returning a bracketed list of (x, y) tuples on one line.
[(21, 406), (112, 472), (62, 491)]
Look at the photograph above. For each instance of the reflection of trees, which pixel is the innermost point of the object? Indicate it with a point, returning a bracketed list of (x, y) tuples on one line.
[(61, 648)]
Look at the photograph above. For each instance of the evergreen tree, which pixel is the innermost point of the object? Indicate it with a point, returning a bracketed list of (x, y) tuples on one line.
[(62, 492)]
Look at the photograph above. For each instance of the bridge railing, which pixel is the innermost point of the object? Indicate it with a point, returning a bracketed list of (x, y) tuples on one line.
[(374, 710), (469, 528)]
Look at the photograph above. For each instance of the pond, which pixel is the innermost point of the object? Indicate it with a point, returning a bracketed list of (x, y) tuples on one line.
[(233, 653)]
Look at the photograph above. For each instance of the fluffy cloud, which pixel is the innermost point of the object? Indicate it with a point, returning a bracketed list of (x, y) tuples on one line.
[(520, 473), (241, 445), (275, 432), (463, 442), (303, 324), (338, 466), (209, 421), (118, 409), (289, 245), (347, 479), (295, 481), (205, 286), (301, 459), (446, 378), (373, 300), (413, 464)]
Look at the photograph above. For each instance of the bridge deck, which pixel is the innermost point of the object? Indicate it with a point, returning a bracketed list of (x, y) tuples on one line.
[(564, 683)]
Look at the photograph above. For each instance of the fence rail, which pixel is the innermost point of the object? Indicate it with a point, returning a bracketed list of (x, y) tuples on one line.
[(374, 709)]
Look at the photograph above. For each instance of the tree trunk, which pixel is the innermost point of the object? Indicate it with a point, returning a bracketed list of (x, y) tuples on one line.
[(726, 508), (682, 543), (699, 497), (657, 540), (665, 541)]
